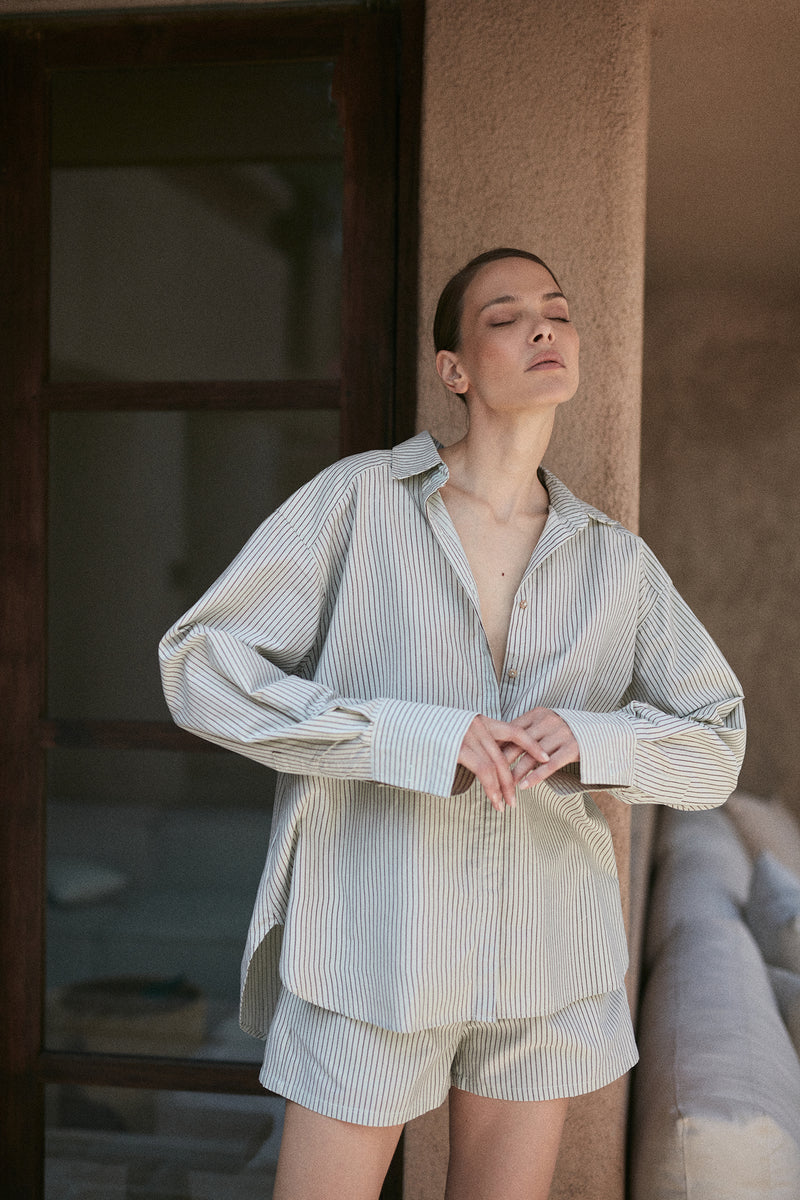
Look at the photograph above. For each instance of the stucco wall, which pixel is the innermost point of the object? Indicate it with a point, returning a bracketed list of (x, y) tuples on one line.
[(720, 497), (534, 132)]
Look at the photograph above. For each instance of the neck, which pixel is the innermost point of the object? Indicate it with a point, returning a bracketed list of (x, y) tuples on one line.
[(498, 459)]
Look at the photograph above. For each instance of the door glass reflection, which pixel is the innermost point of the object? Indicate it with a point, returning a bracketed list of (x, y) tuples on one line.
[(196, 223), (145, 511), (116, 1143), (153, 864)]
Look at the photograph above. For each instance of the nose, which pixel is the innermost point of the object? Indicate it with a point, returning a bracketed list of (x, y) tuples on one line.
[(542, 332)]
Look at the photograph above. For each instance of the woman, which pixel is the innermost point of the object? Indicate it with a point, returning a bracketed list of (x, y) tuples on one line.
[(444, 652)]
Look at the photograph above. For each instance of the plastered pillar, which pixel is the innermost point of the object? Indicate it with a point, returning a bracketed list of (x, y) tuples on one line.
[(534, 135)]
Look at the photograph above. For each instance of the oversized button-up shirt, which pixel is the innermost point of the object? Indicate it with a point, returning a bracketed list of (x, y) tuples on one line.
[(344, 648)]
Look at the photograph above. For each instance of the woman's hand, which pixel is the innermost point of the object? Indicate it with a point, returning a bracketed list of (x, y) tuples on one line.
[(552, 734), (490, 747)]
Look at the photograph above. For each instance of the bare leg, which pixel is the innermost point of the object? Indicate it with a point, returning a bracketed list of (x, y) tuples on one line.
[(324, 1159), (502, 1149)]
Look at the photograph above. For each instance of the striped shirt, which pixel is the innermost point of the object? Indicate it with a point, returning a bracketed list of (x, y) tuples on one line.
[(344, 648)]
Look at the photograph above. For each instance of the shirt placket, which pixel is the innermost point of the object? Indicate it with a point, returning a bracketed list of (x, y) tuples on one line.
[(513, 674)]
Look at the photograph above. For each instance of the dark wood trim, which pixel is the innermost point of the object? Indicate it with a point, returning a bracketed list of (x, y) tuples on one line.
[(119, 735), (190, 396), (23, 284), (367, 88), (135, 39), (412, 41), (131, 1070)]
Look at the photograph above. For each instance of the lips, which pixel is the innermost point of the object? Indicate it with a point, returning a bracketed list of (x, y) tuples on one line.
[(545, 358)]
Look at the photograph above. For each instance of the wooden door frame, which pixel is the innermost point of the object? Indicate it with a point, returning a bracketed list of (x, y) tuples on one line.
[(376, 400)]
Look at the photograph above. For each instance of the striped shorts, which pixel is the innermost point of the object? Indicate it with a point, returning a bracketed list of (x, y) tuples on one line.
[(353, 1071)]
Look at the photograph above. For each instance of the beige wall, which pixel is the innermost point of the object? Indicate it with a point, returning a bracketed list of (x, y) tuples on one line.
[(534, 134), (721, 498), (721, 421)]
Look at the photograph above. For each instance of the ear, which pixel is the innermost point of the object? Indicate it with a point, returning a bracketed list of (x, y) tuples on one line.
[(450, 372)]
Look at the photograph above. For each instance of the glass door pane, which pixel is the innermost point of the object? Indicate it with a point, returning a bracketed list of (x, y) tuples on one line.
[(196, 223), (119, 1143), (153, 857)]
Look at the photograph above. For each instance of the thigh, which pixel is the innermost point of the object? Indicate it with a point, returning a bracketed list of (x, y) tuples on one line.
[(502, 1149), (325, 1159)]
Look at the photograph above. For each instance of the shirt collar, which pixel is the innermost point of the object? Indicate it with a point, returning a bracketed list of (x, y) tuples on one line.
[(567, 506), (417, 455), (421, 453)]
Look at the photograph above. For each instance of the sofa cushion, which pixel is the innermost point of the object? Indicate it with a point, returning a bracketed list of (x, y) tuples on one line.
[(702, 869), (773, 912), (766, 825), (716, 1110), (786, 986)]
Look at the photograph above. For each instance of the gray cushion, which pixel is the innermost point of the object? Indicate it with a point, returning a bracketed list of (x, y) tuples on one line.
[(786, 986), (716, 1110), (773, 912), (702, 869), (766, 825)]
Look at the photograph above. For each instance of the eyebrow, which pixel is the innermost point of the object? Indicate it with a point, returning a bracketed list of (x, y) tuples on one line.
[(513, 299)]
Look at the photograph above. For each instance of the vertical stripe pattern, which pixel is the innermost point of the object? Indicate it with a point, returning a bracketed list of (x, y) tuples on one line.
[(354, 1071), (344, 648)]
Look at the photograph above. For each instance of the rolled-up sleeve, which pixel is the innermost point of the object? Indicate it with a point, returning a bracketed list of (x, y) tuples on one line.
[(679, 736), (233, 673)]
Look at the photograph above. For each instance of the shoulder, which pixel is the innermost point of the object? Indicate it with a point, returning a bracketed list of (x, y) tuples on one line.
[(582, 515), (607, 541), (333, 496)]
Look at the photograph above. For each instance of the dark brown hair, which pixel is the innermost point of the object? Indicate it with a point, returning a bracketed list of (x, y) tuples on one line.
[(447, 322)]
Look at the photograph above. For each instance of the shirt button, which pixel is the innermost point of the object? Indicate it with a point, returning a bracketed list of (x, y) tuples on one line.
[(512, 674), (523, 603)]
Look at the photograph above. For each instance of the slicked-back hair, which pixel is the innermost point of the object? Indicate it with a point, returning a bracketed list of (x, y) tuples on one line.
[(447, 322)]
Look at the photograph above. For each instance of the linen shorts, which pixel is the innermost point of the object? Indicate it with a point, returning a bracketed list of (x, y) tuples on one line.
[(353, 1071)]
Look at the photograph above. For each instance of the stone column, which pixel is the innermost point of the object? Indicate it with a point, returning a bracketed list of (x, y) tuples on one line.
[(534, 135)]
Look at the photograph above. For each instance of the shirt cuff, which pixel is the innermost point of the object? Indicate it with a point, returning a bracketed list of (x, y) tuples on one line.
[(415, 746), (607, 746)]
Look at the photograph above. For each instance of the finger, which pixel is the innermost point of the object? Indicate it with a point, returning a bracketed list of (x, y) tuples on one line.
[(508, 730), (544, 770), (481, 755), (486, 750), (498, 775), (525, 764), (516, 741)]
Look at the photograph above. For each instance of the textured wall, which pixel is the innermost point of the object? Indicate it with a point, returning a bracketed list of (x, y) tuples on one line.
[(720, 494), (534, 134)]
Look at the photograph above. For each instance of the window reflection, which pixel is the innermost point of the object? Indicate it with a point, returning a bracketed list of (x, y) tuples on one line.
[(109, 1143), (145, 510), (153, 863), (153, 857), (196, 224)]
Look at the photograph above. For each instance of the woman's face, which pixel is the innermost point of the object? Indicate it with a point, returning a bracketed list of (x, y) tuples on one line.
[(518, 348)]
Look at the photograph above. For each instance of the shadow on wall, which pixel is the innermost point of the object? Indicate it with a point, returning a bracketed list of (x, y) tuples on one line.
[(720, 501)]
